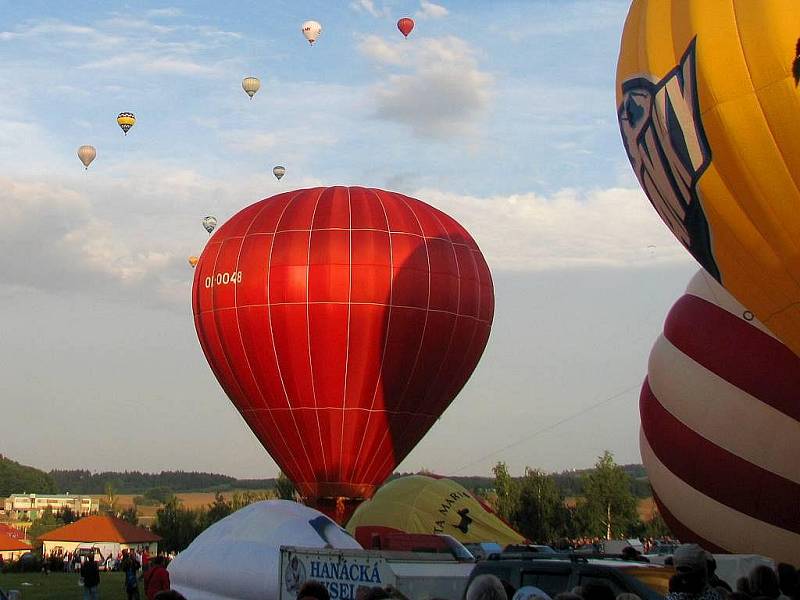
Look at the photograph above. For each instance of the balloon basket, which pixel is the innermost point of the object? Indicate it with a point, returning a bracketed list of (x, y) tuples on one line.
[(338, 508)]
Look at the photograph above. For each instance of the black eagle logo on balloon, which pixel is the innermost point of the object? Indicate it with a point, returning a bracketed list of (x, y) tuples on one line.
[(663, 133)]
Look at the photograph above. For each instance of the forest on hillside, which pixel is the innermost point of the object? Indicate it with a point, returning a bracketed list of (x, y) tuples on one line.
[(16, 478)]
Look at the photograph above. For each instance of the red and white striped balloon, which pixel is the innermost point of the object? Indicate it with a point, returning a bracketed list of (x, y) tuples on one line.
[(720, 412)]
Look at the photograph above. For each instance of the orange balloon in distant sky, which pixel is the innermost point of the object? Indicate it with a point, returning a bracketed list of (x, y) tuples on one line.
[(405, 25)]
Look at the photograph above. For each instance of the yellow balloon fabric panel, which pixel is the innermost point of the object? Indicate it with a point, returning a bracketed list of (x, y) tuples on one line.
[(710, 117)]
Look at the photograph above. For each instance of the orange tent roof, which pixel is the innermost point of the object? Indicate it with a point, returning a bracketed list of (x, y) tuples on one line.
[(7, 543), (99, 528)]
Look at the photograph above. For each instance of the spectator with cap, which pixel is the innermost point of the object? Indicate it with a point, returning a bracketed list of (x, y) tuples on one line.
[(691, 578)]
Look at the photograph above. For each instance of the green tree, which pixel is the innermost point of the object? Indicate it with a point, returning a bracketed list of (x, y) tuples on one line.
[(68, 515), (507, 492), (161, 495), (284, 487), (109, 504), (241, 500), (217, 510), (20, 479), (45, 523), (131, 515), (177, 526), (657, 527), (609, 507), (540, 513)]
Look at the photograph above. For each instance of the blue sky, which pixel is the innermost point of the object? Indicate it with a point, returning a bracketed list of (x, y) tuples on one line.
[(502, 114)]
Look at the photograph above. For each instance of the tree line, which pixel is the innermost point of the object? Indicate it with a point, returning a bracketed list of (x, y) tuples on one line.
[(536, 506), (16, 479)]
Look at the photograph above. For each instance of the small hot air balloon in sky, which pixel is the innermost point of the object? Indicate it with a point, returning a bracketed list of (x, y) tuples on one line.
[(721, 427), (87, 154), (126, 120), (251, 85), (209, 223), (311, 31), (279, 172), (193, 261), (341, 349), (708, 110), (405, 25)]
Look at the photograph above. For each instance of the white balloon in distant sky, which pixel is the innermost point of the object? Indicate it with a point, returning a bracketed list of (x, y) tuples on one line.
[(311, 29), (209, 223), (87, 154), (251, 85)]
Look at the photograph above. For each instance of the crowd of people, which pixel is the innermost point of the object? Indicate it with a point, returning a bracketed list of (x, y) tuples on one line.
[(70, 562), (137, 567)]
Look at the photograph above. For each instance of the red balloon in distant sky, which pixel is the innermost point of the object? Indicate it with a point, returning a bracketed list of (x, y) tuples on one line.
[(405, 25), (341, 322)]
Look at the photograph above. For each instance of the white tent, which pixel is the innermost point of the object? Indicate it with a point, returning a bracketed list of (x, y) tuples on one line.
[(238, 558)]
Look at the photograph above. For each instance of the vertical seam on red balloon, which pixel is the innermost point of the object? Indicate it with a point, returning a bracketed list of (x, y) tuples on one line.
[(421, 337), (457, 313), (453, 392), (308, 334), (219, 336), (347, 351), (203, 337), (272, 336), (458, 305), (386, 340), (241, 339)]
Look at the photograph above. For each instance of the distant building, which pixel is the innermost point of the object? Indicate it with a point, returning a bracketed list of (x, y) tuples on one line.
[(32, 506), (108, 534)]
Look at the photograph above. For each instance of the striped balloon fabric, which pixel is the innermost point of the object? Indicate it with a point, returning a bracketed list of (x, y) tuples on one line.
[(720, 410)]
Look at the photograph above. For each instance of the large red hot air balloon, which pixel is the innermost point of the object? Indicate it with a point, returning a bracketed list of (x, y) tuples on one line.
[(405, 25), (341, 322)]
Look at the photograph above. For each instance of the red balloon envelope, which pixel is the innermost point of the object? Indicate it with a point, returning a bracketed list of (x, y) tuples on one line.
[(341, 322), (405, 25)]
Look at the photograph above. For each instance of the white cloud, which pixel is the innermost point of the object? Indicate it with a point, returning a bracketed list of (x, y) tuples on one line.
[(59, 235), (164, 12), (369, 7), (64, 34), (616, 227), (382, 52), (443, 91), (429, 10), (146, 63)]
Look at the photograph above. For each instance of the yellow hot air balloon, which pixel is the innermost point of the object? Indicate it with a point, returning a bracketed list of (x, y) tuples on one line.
[(126, 120), (708, 109), (423, 504), (86, 155), (193, 260), (251, 85)]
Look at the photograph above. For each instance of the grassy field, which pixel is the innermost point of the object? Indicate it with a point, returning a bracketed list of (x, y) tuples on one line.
[(62, 586)]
